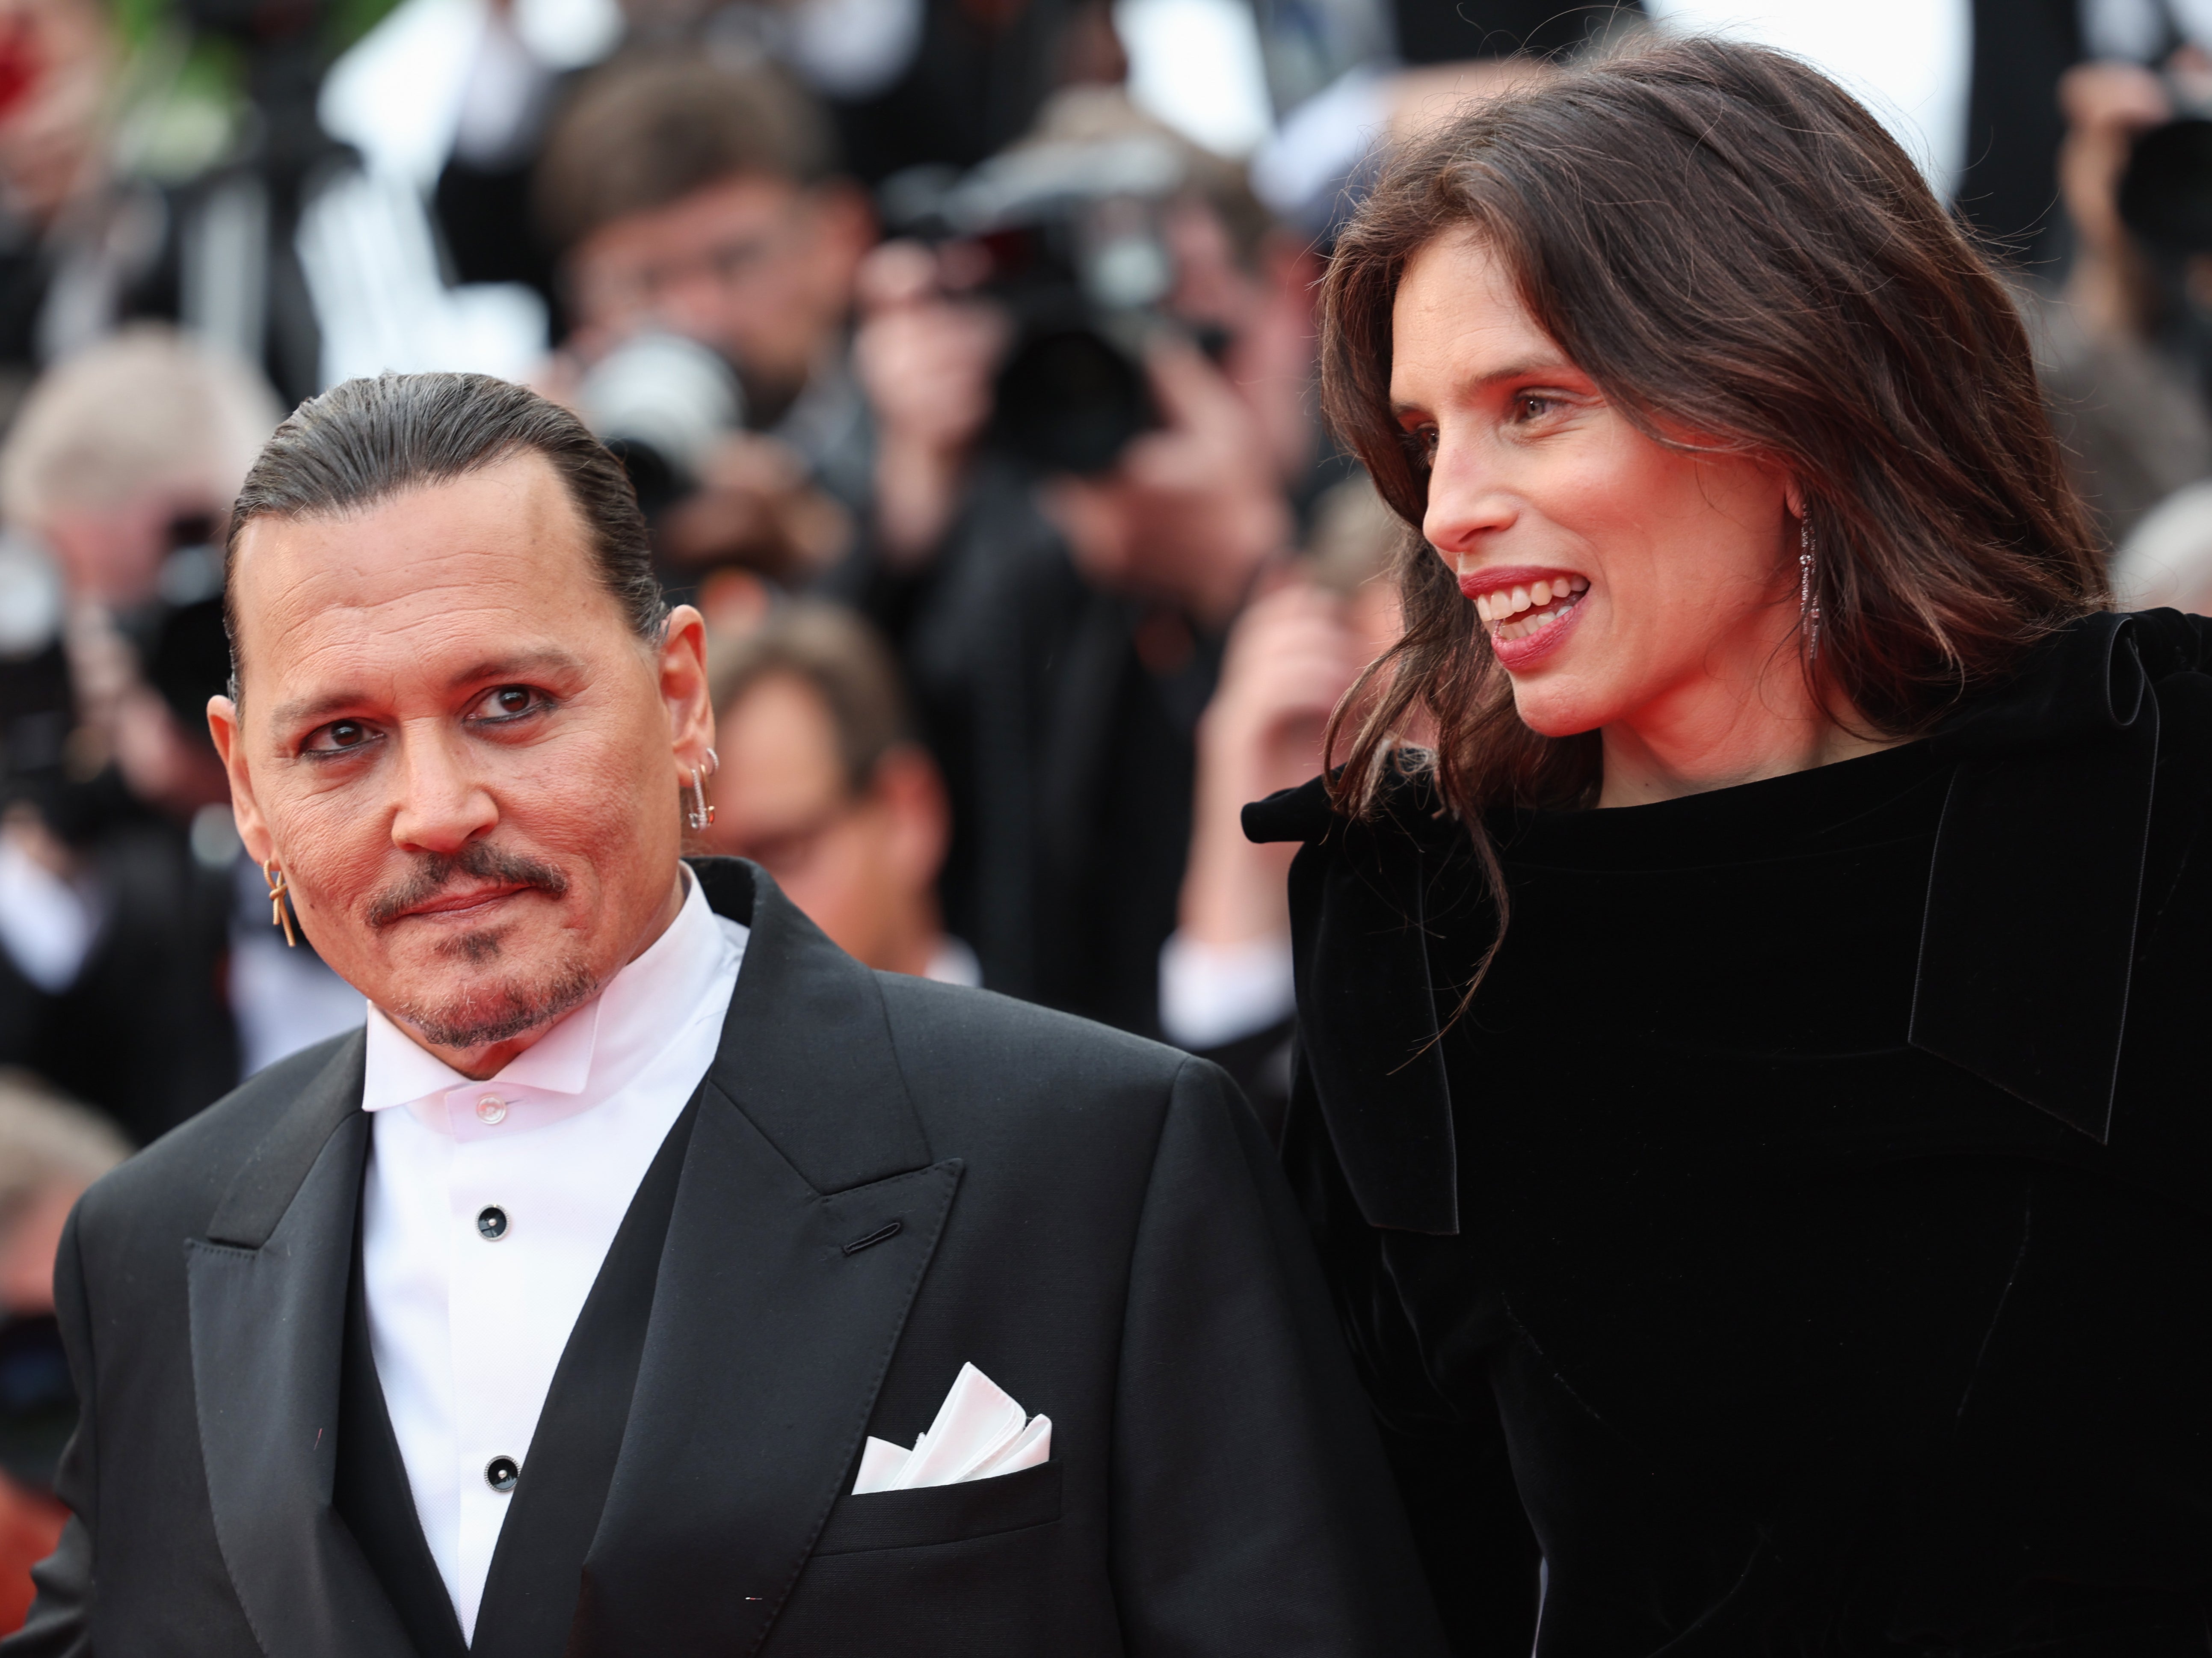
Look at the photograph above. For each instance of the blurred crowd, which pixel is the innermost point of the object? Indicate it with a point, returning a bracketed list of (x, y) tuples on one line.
[(967, 381)]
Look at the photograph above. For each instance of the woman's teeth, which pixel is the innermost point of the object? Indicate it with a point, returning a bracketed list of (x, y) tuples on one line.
[(1517, 611)]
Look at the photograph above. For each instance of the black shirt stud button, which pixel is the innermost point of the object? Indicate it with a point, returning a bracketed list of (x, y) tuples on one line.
[(491, 1223), (500, 1473)]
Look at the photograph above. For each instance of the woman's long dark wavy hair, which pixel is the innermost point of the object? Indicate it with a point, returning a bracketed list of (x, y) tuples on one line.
[(1728, 245)]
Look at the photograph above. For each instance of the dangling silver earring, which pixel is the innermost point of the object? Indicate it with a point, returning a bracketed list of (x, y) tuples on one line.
[(701, 815), (1809, 604)]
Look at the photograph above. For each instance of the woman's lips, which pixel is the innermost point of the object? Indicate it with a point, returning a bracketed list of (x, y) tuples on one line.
[(1527, 611)]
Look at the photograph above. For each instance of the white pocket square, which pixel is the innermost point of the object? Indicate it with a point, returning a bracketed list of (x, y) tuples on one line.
[(978, 1432)]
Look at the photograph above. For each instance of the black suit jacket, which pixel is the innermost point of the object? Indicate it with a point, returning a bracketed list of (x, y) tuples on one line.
[(1092, 1219)]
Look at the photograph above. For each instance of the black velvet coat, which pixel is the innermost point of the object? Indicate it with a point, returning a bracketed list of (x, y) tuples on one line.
[(1803, 1243)]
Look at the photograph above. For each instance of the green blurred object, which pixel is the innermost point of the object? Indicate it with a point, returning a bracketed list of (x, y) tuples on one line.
[(181, 99)]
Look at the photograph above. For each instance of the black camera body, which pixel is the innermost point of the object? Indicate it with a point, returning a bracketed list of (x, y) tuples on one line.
[(1072, 242), (2165, 194)]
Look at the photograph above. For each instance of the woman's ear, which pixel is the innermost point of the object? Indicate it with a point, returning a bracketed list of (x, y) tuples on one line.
[(1792, 497)]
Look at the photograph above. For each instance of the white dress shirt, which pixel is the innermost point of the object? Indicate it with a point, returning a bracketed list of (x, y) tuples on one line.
[(466, 1331)]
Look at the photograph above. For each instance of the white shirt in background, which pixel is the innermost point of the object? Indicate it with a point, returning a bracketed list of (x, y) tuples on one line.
[(1211, 995), (466, 1331)]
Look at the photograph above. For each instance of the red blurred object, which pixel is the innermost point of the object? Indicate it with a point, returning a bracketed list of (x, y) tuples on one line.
[(30, 1526), (21, 65)]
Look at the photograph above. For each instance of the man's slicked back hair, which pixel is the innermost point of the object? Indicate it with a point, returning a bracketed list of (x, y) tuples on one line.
[(360, 443)]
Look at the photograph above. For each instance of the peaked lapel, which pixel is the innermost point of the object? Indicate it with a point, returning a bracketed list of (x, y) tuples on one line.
[(267, 1292), (768, 1340)]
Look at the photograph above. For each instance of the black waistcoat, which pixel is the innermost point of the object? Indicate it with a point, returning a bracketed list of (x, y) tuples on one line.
[(530, 1595)]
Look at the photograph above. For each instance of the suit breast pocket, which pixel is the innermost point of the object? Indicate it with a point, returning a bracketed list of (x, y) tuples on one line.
[(942, 1514)]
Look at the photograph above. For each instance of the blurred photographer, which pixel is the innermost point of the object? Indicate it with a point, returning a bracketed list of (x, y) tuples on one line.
[(823, 784), (709, 254), (119, 868), (2125, 348), (1225, 978), (78, 243), (51, 1150), (1090, 368)]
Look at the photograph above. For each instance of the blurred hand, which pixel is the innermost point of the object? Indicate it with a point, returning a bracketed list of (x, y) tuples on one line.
[(1193, 510), (1291, 658), (2107, 107), (755, 508), (926, 362)]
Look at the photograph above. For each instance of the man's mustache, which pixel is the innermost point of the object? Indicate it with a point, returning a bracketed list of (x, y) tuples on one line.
[(479, 861)]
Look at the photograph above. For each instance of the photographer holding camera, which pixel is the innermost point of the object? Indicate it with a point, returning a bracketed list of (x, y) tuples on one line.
[(710, 249), (1089, 369)]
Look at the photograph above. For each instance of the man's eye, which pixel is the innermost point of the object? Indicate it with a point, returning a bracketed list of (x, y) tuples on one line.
[(338, 736), (510, 701)]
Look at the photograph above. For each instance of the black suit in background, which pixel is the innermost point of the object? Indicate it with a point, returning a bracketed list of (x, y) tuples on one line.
[(144, 1032), (1065, 718), (1093, 1220)]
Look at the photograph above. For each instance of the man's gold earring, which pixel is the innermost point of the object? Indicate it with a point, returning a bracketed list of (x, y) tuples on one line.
[(701, 815), (279, 914)]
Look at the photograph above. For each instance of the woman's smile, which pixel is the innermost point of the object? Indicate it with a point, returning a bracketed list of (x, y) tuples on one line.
[(1523, 610)]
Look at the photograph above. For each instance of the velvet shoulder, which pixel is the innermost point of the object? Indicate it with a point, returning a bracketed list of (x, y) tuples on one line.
[(2054, 776), (1407, 806), (1363, 893)]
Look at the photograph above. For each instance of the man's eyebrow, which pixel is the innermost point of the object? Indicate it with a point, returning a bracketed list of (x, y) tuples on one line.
[(520, 664)]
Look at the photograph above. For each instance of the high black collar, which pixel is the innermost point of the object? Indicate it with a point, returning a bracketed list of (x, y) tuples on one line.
[(2053, 788)]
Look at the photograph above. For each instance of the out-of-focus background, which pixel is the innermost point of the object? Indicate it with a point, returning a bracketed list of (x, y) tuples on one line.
[(963, 353)]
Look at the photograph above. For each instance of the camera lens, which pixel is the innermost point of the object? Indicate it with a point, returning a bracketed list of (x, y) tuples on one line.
[(1070, 400)]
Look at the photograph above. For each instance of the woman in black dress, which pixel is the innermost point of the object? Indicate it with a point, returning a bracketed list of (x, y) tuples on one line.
[(1753, 1096)]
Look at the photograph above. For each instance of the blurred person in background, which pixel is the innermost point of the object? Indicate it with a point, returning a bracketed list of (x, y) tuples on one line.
[(2123, 345), (51, 1150), (1092, 396), (79, 246), (823, 783), (697, 205), (122, 880), (1225, 974)]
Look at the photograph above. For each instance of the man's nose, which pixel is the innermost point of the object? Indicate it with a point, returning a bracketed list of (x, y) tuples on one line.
[(443, 803)]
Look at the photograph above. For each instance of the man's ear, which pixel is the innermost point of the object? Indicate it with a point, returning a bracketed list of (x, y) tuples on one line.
[(224, 725), (683, 688)]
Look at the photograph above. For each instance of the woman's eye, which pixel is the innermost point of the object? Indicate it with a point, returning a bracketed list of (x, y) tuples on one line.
[(1421, 445), (1530, 406), (338, 736), (510, 701)]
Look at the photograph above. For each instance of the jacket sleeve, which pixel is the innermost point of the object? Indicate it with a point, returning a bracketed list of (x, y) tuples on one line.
[(60, 1624), (1453, 1469), (1253, 1514)]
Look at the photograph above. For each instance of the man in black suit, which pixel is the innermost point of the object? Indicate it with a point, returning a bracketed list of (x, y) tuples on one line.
[(554, 1313)]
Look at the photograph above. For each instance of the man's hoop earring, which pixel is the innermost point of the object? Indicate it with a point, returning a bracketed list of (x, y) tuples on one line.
[(279, 914), (700, 814), (1808, 602)]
